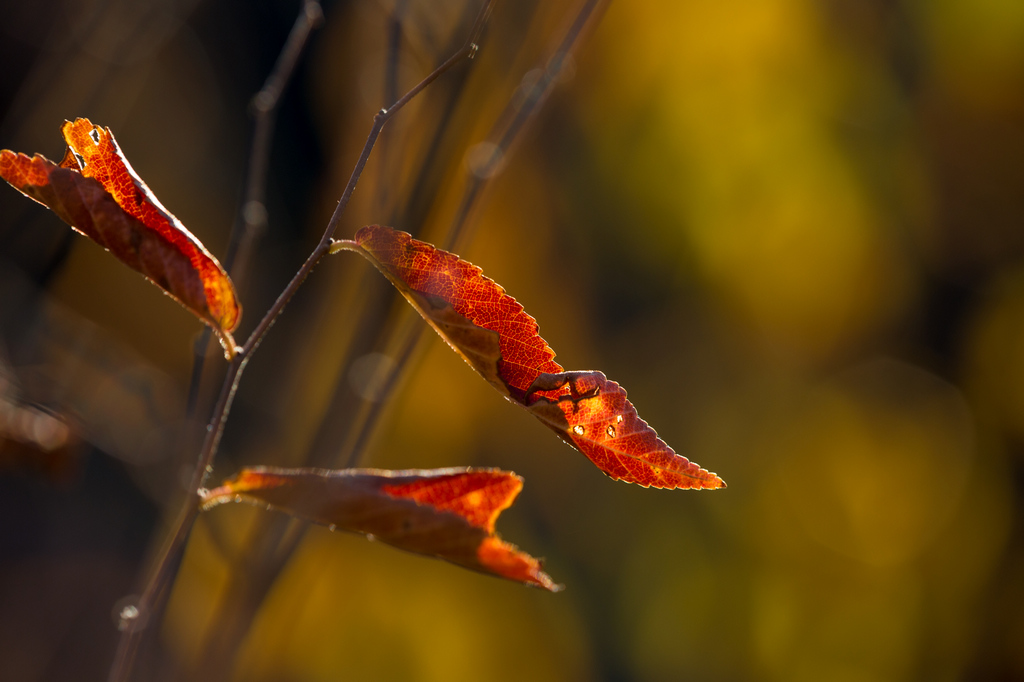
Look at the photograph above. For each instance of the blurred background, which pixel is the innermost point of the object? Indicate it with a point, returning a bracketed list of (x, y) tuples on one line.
[(792, 229)]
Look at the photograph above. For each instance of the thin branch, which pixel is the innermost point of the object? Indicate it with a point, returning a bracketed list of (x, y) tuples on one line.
[(345, 410), (135, 618), (467, 51), (390, 94), (379, 120), (520, 111), (251, 217)]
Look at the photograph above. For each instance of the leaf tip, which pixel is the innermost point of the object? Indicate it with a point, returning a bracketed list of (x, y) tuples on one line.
[(711, 481), (505, 559)]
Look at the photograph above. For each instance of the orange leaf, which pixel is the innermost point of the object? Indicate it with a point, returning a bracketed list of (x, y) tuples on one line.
[(592, 414), (95, 190), (484, 325), (444, 513), (493, 333)]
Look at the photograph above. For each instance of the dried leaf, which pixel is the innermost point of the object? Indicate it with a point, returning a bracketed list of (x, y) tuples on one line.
[(444, 513), (592, 414), (482, 323), (95, 190), (493, 333)]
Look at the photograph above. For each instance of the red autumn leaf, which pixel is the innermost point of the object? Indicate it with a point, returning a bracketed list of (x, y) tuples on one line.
[(95, 190), (484, 325), (444, 513), (493, 333), (592, 414)]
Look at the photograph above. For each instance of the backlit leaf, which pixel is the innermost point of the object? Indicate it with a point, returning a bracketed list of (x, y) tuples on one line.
[(444, 513), (493, 333), (95, 190), (484, 325), (592, 414)]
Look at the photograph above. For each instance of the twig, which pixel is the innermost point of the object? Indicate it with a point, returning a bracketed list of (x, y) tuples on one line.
[(135, 618), (251, 217), (379, 120), (390, 94), (523, 108)]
